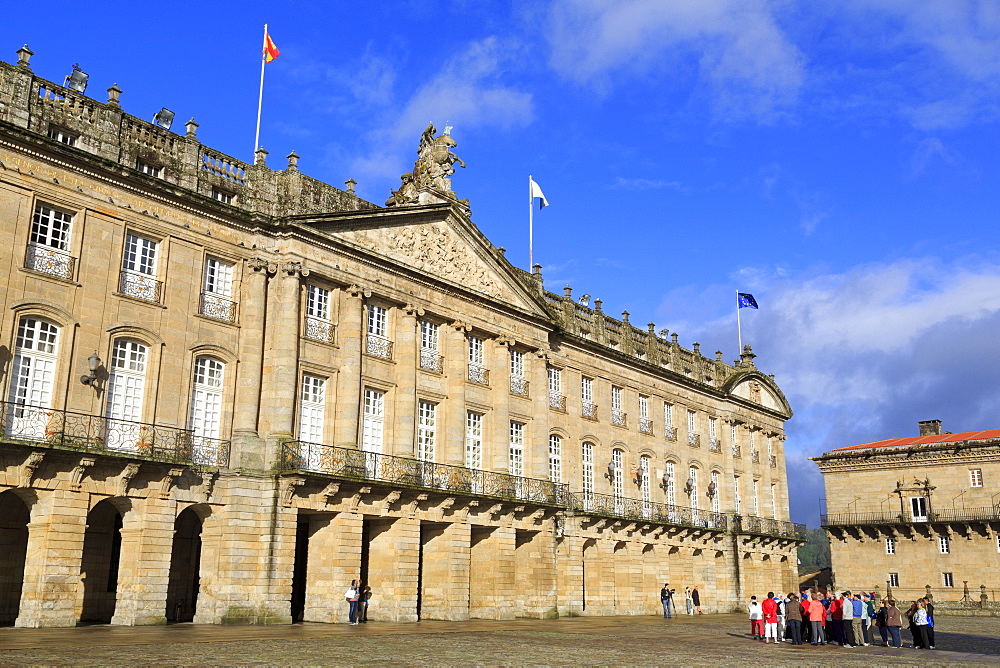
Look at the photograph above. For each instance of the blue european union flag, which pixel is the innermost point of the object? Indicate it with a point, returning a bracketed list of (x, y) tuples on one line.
[(746, 300)]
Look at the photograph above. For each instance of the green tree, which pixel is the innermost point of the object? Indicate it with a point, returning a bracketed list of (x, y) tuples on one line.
[(814, 554)]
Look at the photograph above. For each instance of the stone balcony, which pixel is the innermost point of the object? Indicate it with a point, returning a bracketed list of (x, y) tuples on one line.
[(890, 518), (67, 430)]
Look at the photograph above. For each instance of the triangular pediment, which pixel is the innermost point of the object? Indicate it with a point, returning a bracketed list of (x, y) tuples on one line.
[(436, 241), (759, 389)]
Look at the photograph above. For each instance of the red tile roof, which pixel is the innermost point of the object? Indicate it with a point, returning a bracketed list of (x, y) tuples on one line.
[(935, 439)]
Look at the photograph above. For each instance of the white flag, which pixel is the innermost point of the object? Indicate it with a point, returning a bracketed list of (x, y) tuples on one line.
[(537, 192)]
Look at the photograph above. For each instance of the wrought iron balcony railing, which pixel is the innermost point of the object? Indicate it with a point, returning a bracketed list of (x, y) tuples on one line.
[(431, 361), (737, 452), (479, 374), (378, 346), (318, 329), (895, 517), (50, 260), (218, 307), (694, 440), (767, 526), (47, 427), (645, 425), (519, 386), (649, 511), (755, 456), (140, 286), (670, 433), (557, 401), (714, 445), (360, 465), (588, 410), (774, 461), (618, 417)]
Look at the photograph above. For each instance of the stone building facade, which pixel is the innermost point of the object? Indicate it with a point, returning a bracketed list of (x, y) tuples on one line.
[(229, 390), (915, 514)]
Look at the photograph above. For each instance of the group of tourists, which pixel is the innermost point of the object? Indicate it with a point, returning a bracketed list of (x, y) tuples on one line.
[(358, 595), (692, 601), (846, 619)]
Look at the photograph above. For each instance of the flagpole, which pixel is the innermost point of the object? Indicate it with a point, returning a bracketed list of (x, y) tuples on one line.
[(260, 98), (531, 228), (739, 333)]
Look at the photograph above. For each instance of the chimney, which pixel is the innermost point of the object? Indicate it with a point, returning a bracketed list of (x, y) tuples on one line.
[(930, 427)]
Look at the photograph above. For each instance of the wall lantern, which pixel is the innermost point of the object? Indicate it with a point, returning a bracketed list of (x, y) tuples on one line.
[(93, 363), (77, 80)]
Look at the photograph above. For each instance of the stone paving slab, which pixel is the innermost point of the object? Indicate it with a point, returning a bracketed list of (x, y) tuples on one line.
[(696, 641)]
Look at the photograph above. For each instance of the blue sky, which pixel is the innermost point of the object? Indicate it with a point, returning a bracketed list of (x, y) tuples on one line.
[(837, 160)]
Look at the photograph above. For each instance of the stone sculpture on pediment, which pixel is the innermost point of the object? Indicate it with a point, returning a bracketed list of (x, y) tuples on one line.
[(429, 182)]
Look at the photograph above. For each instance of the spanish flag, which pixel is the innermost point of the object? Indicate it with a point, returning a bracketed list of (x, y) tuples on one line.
[(270, 50)]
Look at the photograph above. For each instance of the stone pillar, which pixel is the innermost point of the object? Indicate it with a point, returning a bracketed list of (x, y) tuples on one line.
[(405, 406), (144, 569), (351, 337), (456, 359), (536, 436), (598, 576), (334, 560), (281, 358), (52, 592), (445, 577), (248, 450), (495, 591), (498, 442), (394, 569), (536, 574), (569, 571)]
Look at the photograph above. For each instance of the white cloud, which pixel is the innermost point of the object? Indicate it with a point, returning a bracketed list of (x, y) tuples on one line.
[(622, 183), (743, 57)]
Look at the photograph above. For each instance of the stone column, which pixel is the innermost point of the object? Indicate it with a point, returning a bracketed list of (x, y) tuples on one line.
[(536, 575), (495, 592), (52, 592), (351, 337), (394, 569), (334, 560), (536, 436), (144, 570), (499, 442), (456, 359), (248, 449), (569, 571), (445, 577), (405, 406), (281, 358)]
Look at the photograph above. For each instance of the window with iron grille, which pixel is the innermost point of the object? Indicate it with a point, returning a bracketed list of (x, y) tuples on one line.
[(516, 448), (890, 546), (426, 430)]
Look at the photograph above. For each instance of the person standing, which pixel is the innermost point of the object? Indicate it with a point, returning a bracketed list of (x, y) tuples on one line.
[(352, 598), (366, 594), (696, 600), (667, 599), (857, 632), (881, 621), (817, 613), (911, 627), (793, 618), (846, 620), (894, 622), (920, 625), (929, 607), (688, 603), (756, 619), (769, 609)]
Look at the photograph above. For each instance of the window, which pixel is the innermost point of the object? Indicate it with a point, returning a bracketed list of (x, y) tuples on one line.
[(918, 508), (691, 422), (693, 479), (713, 425), (671, 484), (893, 579), (976, 478), (139, 268), (222, 196), (645, 424), (617, 414), (477, 370), (617, 484), (426, 430), (474, 440), (890, 546), (944, 544), (312, 400), (734, 439), (373, 427), (62, 136), (318, 325), (555, 457), (377, 343), (518, 383), (206, 397), (589, 410), (556, 398), (48, 248), (147, 168), (217, 290), (948, 580), (998, 542), (126, 388), (756, 503), (32, 377), (516, 449), (669, 431), (774, 501), (644, 477), (752, 443), (736, 493), (430, 342), (717, 496), (588, 475)]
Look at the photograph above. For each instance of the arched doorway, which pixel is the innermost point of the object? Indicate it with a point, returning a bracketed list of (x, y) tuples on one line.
[(14, 517), (102, 546), (185, 567)]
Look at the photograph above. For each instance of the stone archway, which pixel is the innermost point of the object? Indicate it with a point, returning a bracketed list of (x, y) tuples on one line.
[(185, 567), (14, 518), (102, 544)]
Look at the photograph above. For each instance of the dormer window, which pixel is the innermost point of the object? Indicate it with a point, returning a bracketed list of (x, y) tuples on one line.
[(149, 168), (222, 196), (62, 136)]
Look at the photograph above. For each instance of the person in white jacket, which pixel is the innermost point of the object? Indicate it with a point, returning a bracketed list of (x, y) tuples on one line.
[(756, 619)]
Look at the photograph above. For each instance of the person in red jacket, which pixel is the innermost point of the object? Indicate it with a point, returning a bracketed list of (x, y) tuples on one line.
[(817, 615), (770, 609)]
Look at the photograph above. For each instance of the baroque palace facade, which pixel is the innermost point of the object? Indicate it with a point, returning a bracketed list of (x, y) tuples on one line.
[(916, 514), (228, 390)]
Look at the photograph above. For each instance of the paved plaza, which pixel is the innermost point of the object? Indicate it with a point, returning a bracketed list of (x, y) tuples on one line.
[(707, 640)]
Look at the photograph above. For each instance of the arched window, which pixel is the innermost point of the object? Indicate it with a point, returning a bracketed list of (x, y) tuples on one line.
[(617, 486), (206, 397), (32, 376), (555, 457), (693, 479), (126, 389), (671, 484), (717, 494), (588, 475), (644, 471)]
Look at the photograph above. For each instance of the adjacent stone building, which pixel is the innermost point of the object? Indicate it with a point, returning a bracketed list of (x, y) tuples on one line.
[(228, 390), (916, 513)]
